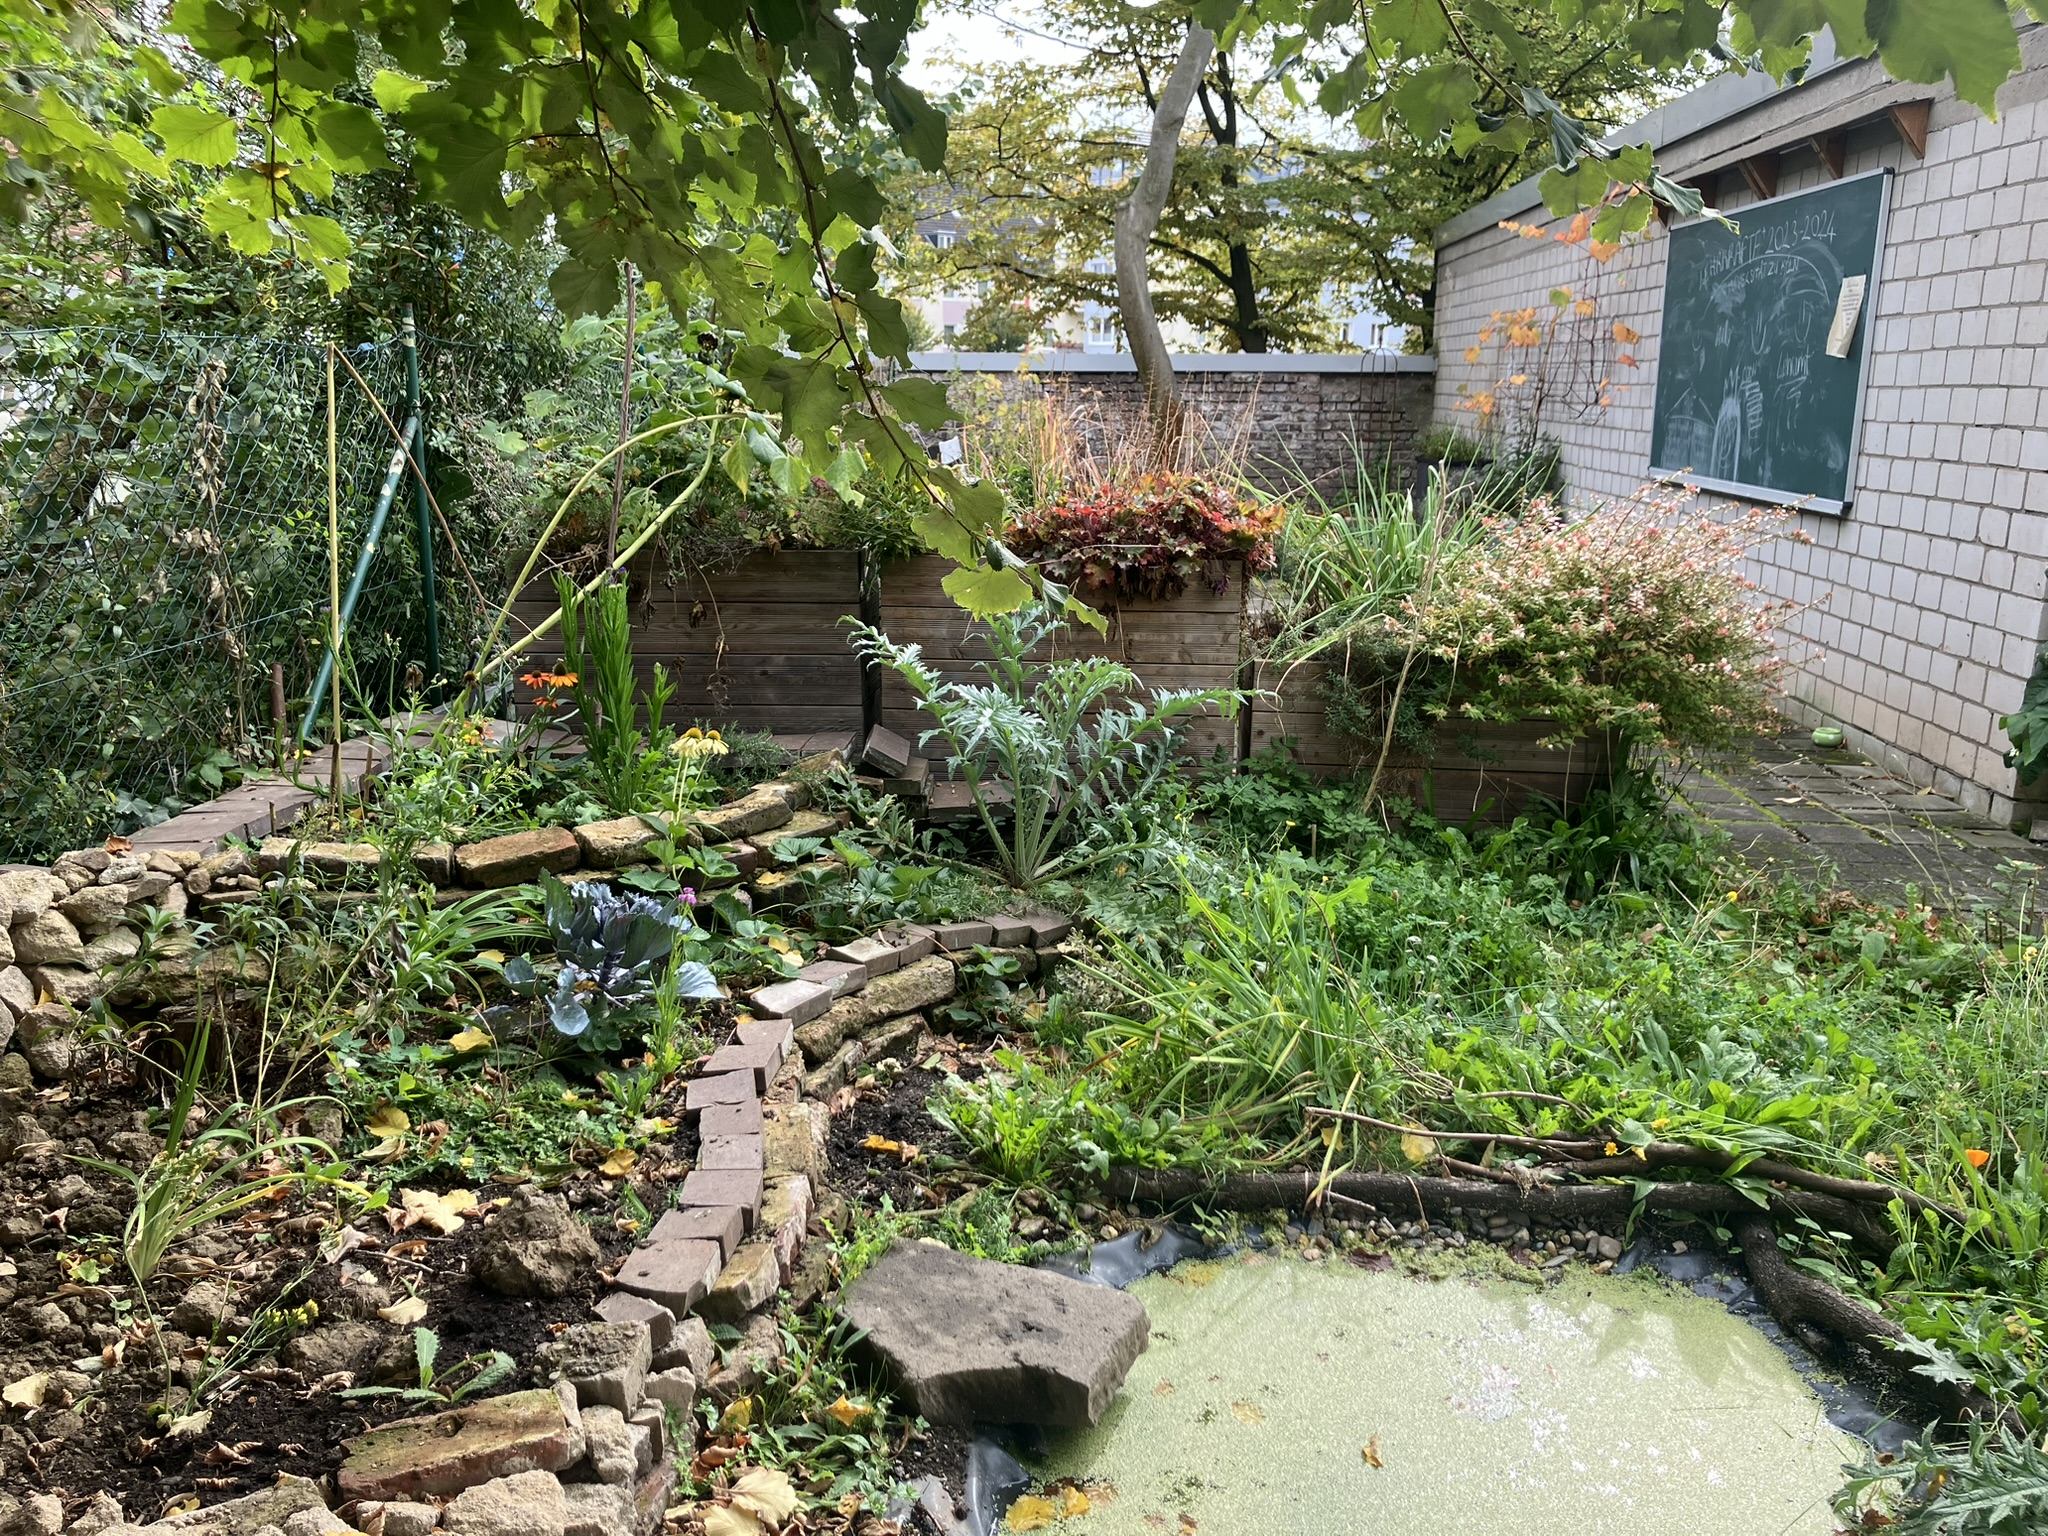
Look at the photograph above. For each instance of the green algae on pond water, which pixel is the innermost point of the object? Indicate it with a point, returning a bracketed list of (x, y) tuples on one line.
[(1599, 1406)]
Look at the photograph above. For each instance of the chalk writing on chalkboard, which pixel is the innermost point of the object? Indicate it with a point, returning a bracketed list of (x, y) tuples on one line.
[(1751, 397)]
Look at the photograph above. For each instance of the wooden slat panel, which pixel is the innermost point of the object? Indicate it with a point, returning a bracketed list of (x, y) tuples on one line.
[(1482, 771)]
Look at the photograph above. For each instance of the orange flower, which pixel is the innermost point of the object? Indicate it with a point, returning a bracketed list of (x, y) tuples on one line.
[(1977, 1156)]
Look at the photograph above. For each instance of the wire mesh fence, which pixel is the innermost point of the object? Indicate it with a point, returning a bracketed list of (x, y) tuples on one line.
[(163, 546)]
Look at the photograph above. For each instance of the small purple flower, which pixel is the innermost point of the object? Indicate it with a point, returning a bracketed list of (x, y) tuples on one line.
[(686, 897)]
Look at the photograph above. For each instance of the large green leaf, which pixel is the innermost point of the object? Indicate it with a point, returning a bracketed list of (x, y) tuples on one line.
[(1970, 41), (197, 135)]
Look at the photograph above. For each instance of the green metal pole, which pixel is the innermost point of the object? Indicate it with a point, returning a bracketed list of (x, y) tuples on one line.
[(421, 511), (386, 494)]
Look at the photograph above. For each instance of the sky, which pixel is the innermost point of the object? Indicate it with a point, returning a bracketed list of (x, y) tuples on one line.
[(996, 32)]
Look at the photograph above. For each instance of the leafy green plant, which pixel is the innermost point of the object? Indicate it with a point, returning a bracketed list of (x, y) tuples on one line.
[(607, 948), (201, 1177), (1996, 1485), (597, 650), (1045, 747), (472, 1376)]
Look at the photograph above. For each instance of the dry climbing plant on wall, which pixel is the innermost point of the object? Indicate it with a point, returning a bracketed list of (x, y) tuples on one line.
[(1564, 359)]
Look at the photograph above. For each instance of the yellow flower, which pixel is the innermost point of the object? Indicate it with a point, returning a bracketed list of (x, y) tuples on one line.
[(1612, 1150), (697, 743), (1734, 896)]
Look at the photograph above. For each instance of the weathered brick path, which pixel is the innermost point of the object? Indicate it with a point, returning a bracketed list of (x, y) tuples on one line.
[(1836, 818)]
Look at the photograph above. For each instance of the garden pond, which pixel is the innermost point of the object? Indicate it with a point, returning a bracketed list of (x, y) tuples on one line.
[(1282, 1396)]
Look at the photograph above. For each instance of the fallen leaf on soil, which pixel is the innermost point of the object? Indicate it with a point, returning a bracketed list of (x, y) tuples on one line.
[(739, 1413), (1248, 1413), (118, 844), (404, 1313), (27, 1392), (1371, 1453), (388, 1124), (842, 1101), (766, 1494), (719, 1520), (190, 1426), (1164, 1389), (1031, 1513), (903, 1149), (1417, 1149), (1073, 1502), (619, 1163), (424, 1207), (470, 1039), (848, 1412)]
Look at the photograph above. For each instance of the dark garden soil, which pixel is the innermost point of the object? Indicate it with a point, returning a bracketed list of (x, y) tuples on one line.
[(866, 1174), (116, 1429)]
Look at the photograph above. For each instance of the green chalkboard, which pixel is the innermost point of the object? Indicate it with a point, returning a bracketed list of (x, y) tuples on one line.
[(1748, 400)]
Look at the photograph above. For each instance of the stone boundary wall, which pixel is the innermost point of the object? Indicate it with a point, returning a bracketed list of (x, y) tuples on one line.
[(1924, 602), (1293, 417)]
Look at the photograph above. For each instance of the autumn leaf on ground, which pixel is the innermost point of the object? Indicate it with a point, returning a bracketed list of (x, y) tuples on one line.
[(766, 1494), (1031, 1513), (905, 1150), (848, 1412), (619, 1163), (494, 956), (470, 1039), (388, 1124), (423, 1207), (1248, 1413), (1417, 1149), (721, 1520), (27, 1392), (1073, 1502), (404, 1313), (1371, 1453)]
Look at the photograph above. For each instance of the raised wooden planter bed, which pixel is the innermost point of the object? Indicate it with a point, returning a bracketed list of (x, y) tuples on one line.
[(760, 646), (1191, 641), (764, 646), (1479, 772)]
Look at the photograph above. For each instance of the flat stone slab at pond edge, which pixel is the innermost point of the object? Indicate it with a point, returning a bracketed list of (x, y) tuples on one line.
[(971, 1341)]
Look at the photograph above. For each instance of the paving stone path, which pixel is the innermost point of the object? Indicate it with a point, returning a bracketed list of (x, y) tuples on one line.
[(1835, 817)]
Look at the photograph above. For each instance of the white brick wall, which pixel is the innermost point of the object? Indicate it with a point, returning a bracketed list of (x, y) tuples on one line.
[(1927, 597)]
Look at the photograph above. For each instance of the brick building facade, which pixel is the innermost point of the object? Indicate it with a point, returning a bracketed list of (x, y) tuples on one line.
[(1925, 599), (1303, 416)]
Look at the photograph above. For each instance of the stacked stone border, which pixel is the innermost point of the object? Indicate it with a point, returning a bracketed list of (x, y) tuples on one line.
[(593, 1452)]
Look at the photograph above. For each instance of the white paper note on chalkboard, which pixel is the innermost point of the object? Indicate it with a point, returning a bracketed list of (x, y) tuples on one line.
[(1848, 306)]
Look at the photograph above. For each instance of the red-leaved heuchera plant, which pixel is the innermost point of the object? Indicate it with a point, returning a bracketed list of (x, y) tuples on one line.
[(1149, 536)]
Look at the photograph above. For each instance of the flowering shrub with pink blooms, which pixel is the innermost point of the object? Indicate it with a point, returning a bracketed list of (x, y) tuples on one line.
[(1148, 536), (1635, 617)]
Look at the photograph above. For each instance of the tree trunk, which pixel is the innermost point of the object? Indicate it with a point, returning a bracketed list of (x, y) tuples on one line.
[(1136, 219)]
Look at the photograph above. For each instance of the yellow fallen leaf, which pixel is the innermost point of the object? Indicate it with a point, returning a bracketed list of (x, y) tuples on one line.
[(1417, 1149), (723, 1520), (739, 1413), (471, 1039), (404, 1313), (1031, 1513), (388, 1120), (1248, 1413), (27, 1392), (423, 1207), (848, 1412), (766, 1494), (183, 1506), (1371, 1453), (495, 956), (905, 1150), (619, 1163), (1073, 1502)]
